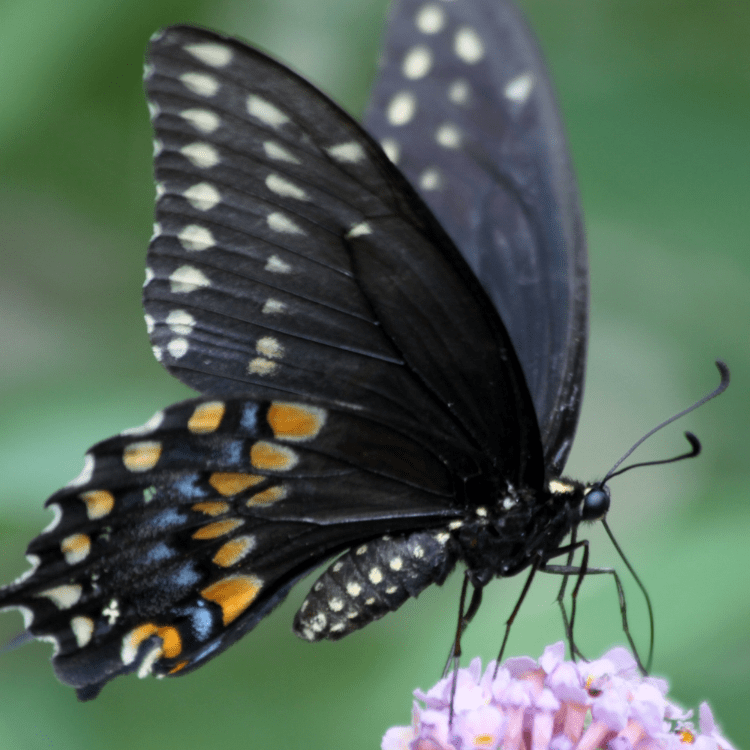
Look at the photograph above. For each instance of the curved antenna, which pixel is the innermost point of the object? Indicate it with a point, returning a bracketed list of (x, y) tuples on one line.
[(695, 449), (723, 385), (643, 591)]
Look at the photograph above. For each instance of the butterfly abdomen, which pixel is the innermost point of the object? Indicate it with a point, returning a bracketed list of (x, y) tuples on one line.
[(373, 579)]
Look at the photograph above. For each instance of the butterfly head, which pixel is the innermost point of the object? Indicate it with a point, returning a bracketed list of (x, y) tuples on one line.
[(595, 502)]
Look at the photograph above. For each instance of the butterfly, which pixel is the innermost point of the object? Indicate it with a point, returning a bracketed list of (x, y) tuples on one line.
[(387, 328)]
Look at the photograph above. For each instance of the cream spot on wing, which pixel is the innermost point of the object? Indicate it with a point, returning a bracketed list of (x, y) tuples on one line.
[(280, 222), (201, 119), (401, 108), (431, 179), (391, 148), (350, 152), (269, 347), (187, 279), (520, 88), (203, 196), (417, 63), (273, 307), (275, 265), (468, 46), (211, 53), (266, 112), (459, 92), (202, 84), (430, 19), (201, 155), (275, 151), (181, 322), (285, 188), (195, 238), (448, 136)]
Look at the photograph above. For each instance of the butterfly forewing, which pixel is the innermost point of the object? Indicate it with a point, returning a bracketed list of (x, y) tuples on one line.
[(292, 259), (464, 107)]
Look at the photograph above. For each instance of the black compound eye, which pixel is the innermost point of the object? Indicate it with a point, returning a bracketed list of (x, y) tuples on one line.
[(595, 504)]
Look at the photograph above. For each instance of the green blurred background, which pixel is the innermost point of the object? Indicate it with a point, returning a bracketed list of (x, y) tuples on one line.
[(656, 101)]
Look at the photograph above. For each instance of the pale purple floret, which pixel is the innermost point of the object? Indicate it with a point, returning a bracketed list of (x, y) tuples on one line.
[(553, 704)]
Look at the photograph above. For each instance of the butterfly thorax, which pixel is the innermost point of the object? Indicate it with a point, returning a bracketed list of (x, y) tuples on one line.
[(519, 528)]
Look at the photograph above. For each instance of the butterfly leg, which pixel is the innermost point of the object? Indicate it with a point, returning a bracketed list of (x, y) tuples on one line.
[(464, 618), (511, 619), (580, 572)]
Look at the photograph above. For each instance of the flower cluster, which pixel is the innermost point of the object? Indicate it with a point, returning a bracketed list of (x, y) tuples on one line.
[(553, 704)]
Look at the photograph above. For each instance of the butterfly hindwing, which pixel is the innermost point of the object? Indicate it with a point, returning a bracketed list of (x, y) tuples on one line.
[(464, 106), (181, 535)]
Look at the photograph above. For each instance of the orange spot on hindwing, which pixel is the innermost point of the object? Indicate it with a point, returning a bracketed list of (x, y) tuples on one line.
[(272, 457), (291, 421), (219, 528), (206, 417), (233, 594), (229, 483)]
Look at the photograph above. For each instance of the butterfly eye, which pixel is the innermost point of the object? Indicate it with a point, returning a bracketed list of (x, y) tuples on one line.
[(595, 504)]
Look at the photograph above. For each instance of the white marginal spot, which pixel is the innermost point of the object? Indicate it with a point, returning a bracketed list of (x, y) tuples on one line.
[(149, 276), (211, 53), (375, 575), (160, 190), (260, 366), (85, 475), (266, 112), (336, 567), (442, 537), (430, 19), (200, 83), (56, 509), (273, 306), (275, 265), (358, 230), (448, 136), (468, 46), (350, 152), (396, 564), (148, 71), (391, 590), (453, 525), (369, 602), (481, 512), (520, 88), (401, 108), (181, 322), (153, 424), (154, 110), (283, 187), (419, 552), (147, 665), (508, 503), (33, 560), (178, 348), (353, 589), (112, 611), (391, 148), (158, 353), (201, 119), (318, 622), (83, 629), (203, 196), (337, 628), (201, 155), (361, 550), (280, 222), (157, 147), (275, 151), (63, 597), (269, 347), (417, 63), (186, 279), (336, 605), (196, 238), (431, 179), (459, 92)]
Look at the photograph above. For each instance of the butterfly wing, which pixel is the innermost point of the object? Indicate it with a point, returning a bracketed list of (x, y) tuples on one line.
[(292, 260), (464, 107), (181, 535)]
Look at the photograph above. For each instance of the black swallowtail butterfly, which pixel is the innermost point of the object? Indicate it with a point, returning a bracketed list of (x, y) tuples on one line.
[(374, 383)]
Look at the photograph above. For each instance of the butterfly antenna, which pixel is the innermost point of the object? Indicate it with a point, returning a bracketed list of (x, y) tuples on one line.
[(692, 439)]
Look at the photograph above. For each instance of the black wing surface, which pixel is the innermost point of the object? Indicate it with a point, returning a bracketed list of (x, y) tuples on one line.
[(463, 105), (292, 260)]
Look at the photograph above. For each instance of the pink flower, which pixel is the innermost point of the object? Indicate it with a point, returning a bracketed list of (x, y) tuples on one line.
[(553, 704)]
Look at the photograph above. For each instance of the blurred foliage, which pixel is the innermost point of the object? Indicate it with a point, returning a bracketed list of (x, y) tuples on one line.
[(656, 101)]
